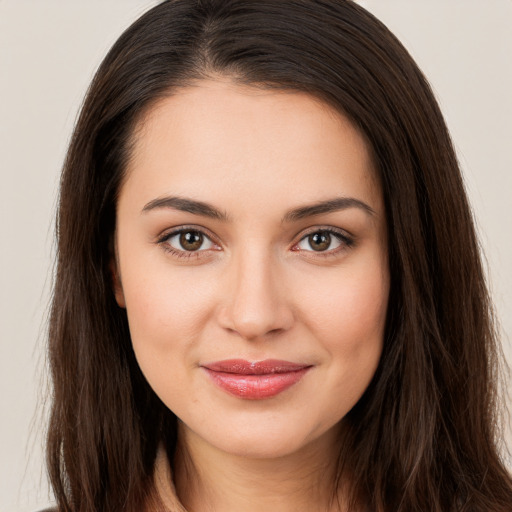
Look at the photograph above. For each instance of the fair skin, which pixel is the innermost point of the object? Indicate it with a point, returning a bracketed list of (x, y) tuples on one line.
[(254, 277)]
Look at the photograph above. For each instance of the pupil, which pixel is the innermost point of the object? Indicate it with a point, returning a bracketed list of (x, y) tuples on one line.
[(191, 240), (320, 241)]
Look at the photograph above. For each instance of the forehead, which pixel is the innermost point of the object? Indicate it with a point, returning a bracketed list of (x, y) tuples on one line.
[(219, 138)]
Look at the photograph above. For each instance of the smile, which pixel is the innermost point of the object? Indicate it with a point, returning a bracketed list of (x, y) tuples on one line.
[(255, 380)]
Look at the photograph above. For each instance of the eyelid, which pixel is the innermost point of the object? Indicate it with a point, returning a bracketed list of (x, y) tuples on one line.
[(347, 239), (169, 233), (176, 230)]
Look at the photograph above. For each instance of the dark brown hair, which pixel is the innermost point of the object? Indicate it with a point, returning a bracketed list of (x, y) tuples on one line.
[(424, 435)]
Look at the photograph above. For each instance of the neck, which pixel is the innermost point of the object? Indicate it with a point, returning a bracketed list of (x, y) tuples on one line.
[(211, 480)]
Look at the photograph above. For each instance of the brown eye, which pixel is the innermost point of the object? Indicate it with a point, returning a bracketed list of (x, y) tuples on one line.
[(324, 240), (191, 240), (188, 240), (319, 241)]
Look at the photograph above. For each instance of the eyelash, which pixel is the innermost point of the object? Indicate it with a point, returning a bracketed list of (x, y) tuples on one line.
[(346, 242), (182, 254)]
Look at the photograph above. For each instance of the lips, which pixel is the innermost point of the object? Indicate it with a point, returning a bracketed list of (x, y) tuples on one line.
[(255, 380)]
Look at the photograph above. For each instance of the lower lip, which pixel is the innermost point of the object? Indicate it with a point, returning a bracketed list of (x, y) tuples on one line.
[(256, 387)]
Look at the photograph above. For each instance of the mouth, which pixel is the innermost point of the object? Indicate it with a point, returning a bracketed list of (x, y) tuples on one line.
[(255, 380)]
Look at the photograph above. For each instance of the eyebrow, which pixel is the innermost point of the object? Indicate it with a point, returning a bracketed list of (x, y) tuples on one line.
[(187, 205), (329, 206), (207, 210)]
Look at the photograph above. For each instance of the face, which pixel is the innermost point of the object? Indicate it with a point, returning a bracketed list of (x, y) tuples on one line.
[(252, 262)]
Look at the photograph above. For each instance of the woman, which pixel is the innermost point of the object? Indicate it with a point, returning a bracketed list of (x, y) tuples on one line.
[(269, 294)]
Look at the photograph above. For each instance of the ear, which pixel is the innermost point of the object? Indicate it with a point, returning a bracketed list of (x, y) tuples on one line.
[(117, 286)]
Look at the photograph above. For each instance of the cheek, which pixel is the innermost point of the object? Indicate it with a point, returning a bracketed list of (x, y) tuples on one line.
[(166, 312), (349, 311), (347, 314)]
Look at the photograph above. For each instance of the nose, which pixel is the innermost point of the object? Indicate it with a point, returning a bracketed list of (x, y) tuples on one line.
[(257, 304)]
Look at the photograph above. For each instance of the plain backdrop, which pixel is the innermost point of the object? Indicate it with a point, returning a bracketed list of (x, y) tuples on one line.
[(49, 50)]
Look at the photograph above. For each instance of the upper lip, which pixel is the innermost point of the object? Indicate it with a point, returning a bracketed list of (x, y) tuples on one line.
[(243, 367)]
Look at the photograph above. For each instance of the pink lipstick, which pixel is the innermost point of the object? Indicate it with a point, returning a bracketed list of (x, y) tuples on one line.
[(256, 380)]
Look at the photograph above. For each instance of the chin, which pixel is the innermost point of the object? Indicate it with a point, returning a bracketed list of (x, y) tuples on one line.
[(266, 439)]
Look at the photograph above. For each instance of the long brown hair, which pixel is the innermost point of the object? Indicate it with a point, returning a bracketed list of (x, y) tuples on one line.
[(424, 435)]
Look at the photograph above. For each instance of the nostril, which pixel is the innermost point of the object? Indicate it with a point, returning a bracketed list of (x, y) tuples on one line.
[(270, 327)]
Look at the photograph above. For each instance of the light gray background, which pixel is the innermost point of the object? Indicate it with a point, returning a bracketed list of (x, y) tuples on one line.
[(49, 50)]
